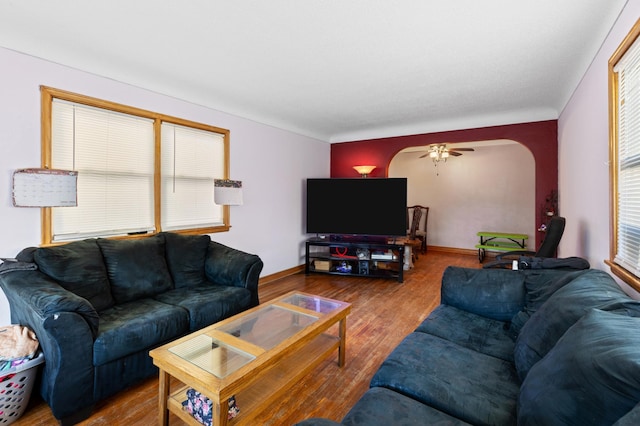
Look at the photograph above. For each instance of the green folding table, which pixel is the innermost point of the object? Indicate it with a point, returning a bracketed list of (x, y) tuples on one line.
[(500, 241)]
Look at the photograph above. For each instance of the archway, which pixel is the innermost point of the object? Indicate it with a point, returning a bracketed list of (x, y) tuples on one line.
[(489, 189)]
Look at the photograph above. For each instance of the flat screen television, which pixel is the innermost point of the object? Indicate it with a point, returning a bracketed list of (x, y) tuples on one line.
[(357, 206)]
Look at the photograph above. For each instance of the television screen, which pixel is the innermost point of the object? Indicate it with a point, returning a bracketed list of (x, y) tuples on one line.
[(357, 206)]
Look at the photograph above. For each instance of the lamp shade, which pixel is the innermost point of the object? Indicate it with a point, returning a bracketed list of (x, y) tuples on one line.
[(364, 170), (227, 192)]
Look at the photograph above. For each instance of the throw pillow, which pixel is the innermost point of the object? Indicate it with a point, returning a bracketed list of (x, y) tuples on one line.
[(79, 268), (593, 289), (591, 377), (136, 268), (185, 258)]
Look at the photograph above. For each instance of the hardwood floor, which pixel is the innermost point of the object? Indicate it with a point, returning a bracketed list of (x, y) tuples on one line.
[(383, 313)]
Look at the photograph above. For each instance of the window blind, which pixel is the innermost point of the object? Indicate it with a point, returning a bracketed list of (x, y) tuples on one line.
[(114, 156), (628, 165), (191, 160)]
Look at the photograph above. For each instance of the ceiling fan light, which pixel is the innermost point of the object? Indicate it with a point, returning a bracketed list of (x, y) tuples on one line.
[(433, 154), (445, 154)]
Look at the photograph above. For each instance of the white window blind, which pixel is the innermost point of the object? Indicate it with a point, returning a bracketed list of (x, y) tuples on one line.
[(628, 166), (191, 160), (113, 154)]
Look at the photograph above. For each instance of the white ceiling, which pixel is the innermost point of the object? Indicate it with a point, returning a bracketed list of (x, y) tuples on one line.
[(330, 69)]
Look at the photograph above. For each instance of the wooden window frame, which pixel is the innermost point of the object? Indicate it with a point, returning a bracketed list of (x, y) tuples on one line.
[(48, 94), (624, 274)]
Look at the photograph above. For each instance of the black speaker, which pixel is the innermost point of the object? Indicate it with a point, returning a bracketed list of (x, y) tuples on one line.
[(363, 268)]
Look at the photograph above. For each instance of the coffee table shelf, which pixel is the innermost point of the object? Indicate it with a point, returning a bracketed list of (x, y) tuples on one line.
[(259, 395), (301, 325)]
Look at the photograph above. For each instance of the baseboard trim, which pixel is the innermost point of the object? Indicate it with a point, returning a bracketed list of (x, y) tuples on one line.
[(465, 252), (453, 250), (272, 277)]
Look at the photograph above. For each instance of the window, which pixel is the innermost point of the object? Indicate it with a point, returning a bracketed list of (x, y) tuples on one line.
[(624, 122), (139, 172), (189, 156)]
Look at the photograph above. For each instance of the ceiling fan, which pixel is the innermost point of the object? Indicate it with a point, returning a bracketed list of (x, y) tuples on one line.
[(439, 152)]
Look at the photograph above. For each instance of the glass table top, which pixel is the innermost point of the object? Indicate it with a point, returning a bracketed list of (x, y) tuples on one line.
[(313, 303), (212, 355), (266, 328), (269, 326)]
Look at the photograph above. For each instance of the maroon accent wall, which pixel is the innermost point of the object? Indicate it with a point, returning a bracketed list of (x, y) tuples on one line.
[(541, 138)]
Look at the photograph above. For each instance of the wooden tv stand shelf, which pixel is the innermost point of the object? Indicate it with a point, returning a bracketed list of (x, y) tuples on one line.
[(354, 258)]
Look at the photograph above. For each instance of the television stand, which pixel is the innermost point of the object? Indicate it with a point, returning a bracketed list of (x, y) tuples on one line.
[(354, 258)]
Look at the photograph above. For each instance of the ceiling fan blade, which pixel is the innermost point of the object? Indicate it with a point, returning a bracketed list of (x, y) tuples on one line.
[(425, 155), (455, 154), (461, 149)]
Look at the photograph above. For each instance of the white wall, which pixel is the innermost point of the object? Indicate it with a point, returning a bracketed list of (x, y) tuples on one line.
[(490, 189), (583, 143), (272, 163)]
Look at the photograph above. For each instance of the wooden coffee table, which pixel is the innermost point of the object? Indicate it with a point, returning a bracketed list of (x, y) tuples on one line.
[(255, 356)]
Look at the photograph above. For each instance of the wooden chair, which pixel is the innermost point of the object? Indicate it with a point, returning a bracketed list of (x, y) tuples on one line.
[(415, 230), (412, 239)]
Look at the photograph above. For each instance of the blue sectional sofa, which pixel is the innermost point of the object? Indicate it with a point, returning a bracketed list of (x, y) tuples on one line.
[(529, 347), (98, 306)]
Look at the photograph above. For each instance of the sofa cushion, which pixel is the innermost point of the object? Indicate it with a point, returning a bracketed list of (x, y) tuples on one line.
[(592, 376), (135, 326), (540, 284), (136, 268), (383, 407), (473, 387), (185, 258), (484, 335), (592, 289), (207, 304), (629, 308), (79, 268), (632, 418), (492, 293)]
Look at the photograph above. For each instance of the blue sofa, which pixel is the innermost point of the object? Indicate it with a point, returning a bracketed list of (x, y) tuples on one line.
[(98, 306), (529, 347)]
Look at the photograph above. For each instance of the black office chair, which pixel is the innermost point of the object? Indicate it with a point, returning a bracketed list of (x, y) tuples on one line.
[(547, 248)]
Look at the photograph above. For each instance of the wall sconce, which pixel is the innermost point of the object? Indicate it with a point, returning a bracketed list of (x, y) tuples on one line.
[(227, 192), (364, 170)]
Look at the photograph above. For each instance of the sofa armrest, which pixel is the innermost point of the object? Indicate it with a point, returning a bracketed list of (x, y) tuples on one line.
[(493, 293), (32, 293), (227, 266), (68, 374), (65, 325)]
